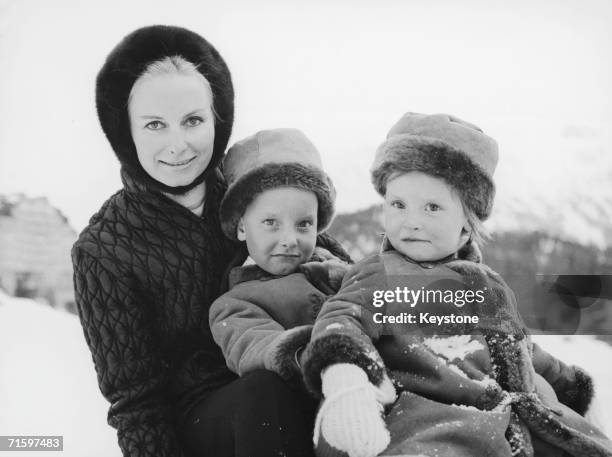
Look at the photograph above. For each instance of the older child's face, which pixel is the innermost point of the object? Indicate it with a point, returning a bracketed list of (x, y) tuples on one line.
[(280, 229), (172, 127), (423, 217)]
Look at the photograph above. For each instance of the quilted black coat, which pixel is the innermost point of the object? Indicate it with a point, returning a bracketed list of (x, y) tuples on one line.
[(145, 273)]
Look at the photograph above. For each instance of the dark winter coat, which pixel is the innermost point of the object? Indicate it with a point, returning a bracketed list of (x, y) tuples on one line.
[(145, 272), (263, 320), (464, 390)]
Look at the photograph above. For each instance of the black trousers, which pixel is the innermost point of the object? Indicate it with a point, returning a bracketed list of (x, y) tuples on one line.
[(257, 415)]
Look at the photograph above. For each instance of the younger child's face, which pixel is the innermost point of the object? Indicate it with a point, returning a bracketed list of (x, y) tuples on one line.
[(423, 217), (280, 229)]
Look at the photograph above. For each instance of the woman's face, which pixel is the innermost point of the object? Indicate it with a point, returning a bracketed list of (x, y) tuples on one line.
[(172, 126)]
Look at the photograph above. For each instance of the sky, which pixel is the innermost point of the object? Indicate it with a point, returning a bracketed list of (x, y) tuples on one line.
[(534, 75)]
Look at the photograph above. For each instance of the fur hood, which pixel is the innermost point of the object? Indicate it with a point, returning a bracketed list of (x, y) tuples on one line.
[(124, 65)]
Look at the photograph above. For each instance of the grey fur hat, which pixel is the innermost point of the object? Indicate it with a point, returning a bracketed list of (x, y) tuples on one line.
[(271, 159), (443, 146)]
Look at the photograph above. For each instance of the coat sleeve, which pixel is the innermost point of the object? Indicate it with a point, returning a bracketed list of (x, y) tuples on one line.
[(345, 329), (132, 373), (572, 385), (251, 339)]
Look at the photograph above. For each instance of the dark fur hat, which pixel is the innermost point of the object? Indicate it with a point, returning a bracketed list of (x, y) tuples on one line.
[(128, 60), (271, 159), (445, 147)]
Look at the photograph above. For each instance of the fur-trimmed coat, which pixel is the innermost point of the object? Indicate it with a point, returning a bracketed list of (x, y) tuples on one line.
[(464, 390), (263, 320)]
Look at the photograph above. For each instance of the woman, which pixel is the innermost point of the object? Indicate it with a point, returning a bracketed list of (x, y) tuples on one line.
[(152, 260)]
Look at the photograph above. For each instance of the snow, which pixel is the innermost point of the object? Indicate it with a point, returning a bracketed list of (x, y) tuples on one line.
[(456, 369), (47, 381), (333, 326), (453, 347), (48, 384), (594, 356)]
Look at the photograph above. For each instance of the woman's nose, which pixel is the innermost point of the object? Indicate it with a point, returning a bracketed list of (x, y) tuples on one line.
[(177, 142)]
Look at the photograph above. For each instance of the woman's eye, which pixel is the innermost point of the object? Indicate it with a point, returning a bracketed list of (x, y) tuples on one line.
[(397, 204), (193, 121), (154, 125), (432, 207), (269, 222)]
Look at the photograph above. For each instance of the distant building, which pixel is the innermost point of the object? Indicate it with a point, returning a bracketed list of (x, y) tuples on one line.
[(35, 242)]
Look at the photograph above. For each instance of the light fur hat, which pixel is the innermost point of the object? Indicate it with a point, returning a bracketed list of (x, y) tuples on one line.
[(443, 146), (267, 160)]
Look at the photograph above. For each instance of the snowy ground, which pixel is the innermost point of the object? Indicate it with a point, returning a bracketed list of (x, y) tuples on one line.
[(594, 356), (48, 384), (47, 381)]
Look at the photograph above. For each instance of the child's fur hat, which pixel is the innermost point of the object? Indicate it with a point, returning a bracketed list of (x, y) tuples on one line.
[(271, 159), (128, 61), (445, 147)]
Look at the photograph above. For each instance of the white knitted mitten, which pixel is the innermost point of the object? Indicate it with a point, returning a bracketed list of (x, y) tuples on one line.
[(350, 419)]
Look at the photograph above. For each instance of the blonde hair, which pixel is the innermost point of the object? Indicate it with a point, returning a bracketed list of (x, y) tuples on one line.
[(175, 65), (478, 232)]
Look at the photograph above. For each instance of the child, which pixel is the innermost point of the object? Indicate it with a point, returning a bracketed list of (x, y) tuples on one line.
[(466, 388), (278, 200)]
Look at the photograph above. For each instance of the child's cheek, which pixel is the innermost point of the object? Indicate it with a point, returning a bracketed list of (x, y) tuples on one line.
[(391, 223), (401, 250)]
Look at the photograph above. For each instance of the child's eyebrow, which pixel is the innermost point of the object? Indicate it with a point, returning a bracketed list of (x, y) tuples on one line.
[(268, 215), (393, 196)]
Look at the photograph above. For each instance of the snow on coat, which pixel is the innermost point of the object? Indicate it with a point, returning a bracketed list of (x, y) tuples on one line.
[(464, 389)]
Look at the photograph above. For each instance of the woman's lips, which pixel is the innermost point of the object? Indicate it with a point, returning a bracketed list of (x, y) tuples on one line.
[(178, 164)]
